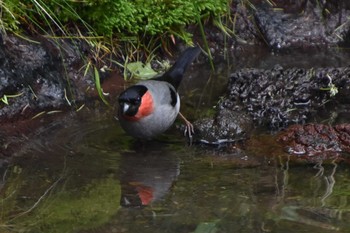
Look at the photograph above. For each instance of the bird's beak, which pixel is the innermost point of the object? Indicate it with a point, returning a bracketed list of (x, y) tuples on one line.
[(125, 107)]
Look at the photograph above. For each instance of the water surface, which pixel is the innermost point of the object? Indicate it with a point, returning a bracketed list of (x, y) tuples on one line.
[(81, 173)]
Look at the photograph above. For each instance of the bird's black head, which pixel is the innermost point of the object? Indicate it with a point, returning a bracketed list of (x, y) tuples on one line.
[(130, 100)]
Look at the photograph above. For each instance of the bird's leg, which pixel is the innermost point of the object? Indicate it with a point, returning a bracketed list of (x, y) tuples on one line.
[(189, 129)]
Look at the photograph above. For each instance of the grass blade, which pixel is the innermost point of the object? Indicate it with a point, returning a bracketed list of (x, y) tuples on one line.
[(98, 86)]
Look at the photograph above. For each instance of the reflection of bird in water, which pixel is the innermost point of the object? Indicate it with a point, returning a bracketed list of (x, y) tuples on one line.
[(146, 177)]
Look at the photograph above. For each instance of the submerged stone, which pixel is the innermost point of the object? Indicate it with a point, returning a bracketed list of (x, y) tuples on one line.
[(226, 126), (316, 139)]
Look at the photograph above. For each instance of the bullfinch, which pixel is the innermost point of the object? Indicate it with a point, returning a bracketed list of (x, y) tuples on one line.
[(150, 107)]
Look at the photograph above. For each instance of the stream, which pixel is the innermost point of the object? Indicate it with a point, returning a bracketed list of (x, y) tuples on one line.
[(79, 172)]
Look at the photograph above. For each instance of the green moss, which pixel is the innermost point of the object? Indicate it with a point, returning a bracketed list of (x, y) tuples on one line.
[(107, 17), (68, 212), (86, 207)]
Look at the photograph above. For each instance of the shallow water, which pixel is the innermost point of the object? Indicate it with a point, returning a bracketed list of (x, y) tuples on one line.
[(81, 173)]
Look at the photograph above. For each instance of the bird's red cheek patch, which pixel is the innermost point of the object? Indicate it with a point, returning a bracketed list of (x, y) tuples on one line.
[(146, 106), (145, 109)]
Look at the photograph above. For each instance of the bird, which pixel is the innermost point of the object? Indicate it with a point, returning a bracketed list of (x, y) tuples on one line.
[(150, 107)]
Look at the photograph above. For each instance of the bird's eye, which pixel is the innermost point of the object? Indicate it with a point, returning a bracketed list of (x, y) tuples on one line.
[(137, 101)]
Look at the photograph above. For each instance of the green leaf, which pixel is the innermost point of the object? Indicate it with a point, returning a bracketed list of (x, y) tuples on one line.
[(140, 70), (206, 227)]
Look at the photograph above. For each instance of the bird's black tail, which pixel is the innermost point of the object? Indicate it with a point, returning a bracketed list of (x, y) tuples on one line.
[(175, 73)]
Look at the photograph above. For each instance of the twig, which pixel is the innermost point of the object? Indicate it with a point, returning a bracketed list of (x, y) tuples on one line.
[(38, 201)]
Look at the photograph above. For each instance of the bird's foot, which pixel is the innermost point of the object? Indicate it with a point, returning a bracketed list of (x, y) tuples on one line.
[(189, 129)]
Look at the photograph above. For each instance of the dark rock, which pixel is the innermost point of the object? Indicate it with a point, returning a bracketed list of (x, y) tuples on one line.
[(303, 23), (343, 133), (315, 139), (38, 76), (280, 97), (245, 29), (226, 126), (277, 98)]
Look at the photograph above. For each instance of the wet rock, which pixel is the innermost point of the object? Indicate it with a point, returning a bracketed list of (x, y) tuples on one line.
[(279, 97), (226, 126), (316, 139), (300, 24), (343, 133), (245, 29), (38, 76), (218, 35)]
